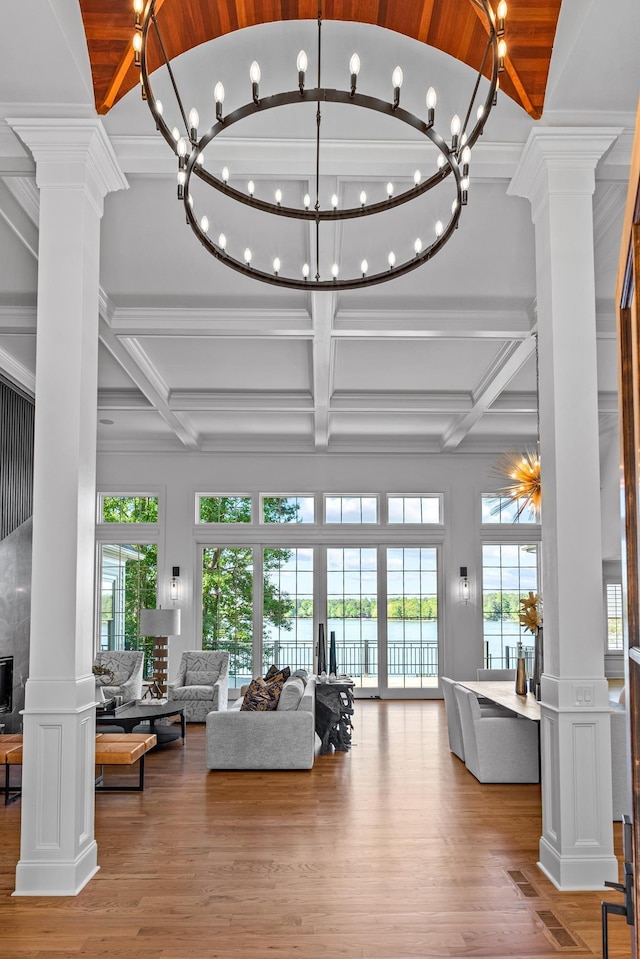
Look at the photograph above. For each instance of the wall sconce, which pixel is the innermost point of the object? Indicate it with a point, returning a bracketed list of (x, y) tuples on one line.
[(174, 585), (463, 587)]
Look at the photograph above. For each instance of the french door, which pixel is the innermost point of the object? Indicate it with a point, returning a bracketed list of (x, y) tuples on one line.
[(379, 602)]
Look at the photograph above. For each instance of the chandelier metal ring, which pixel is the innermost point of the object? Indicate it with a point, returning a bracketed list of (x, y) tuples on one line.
[(189, 149)]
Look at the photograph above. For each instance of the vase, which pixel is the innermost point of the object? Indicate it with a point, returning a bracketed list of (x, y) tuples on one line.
[(521, 677), (333, 667), (322, 650), (538, 663)]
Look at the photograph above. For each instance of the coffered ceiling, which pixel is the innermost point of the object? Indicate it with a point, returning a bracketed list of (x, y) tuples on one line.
[(195, 357)]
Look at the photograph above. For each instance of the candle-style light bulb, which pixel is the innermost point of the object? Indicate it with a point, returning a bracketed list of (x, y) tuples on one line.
[(254, 76), (138, 6), (302, 62), (307, 201), (175, 133), (417, 177), (278, 197), (194, 121), (354, 70), (218, 95), (396, 79), (466, 159), (502, 52), (431, 100), (247, 256), (391, 260), (182, 147), (480, 112), (251, 187), (455, 131), (204, 224), (502, 10), (159, 107), (417, 246), (335, 271), (334, 201), (440, 161), (225, 174), (364, 266), (439, 229), (276, 265), (137, 42), (389, 189), (222, 242), (200, 158), (305, 271), (363, 198)]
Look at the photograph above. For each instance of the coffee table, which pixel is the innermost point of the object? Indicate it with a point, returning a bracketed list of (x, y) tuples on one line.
[(132, 714)]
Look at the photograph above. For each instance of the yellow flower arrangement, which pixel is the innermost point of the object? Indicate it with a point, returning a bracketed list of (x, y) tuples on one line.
[(531, 613)]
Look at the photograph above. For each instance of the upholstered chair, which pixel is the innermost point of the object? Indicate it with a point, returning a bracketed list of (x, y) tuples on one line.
[(202, 683), (497, 749), (125, 680), (454, 726)]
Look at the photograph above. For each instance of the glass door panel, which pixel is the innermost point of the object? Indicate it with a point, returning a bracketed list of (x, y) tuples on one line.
[(227, 607), (412, 618), (352, 612), (287, 608)]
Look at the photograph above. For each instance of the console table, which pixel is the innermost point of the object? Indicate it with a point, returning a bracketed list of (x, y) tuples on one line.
[(334, 709)]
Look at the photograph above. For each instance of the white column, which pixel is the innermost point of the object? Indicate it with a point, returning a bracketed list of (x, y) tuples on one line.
[(557, 174), (75, 168)]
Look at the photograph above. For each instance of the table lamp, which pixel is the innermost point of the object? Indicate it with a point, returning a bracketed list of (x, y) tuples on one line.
[(160, 623)]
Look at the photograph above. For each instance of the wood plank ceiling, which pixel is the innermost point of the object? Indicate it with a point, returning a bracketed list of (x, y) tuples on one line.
[(454, 27)]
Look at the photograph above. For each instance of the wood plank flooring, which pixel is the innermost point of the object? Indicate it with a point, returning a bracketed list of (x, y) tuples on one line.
[(391, 851)]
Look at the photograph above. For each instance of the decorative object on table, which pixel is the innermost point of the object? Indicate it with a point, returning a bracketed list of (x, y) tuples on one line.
[(333, 668), (191, 143), (160, 623), (151, 693), (334, 709), (105, 675), (531, 620), (521, 674), (322, 651)]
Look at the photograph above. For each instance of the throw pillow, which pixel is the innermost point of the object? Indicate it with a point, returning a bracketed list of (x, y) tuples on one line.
[(276, 673), (201, 677), (103, 676), (303, 673), (259, 697), (292, 693)]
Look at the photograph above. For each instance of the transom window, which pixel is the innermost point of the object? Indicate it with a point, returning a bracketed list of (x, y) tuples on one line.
[(500, 509), (128, 509), (613, 602), (288, 509), (413, 509), (224, 509), (351, 509)]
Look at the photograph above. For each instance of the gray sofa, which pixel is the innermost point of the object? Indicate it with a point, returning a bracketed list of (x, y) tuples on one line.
[(278, 739)]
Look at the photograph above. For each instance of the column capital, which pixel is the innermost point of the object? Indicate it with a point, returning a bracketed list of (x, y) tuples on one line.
[(72, 154), (560, 160)]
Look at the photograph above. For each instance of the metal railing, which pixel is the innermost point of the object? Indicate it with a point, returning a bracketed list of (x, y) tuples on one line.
[(509, 658), (361, 659)]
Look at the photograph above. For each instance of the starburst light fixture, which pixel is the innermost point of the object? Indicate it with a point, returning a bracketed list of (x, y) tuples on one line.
[(523, 471), (451, 160)]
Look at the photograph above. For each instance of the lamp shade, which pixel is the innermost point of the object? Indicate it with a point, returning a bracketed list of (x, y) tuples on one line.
[(159, 622)]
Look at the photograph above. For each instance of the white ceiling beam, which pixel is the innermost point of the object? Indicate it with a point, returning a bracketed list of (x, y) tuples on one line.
[(12, 211), (136, 364), (502, 371)]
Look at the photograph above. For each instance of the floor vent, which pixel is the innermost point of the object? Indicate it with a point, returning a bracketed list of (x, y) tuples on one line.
[(556, 930), (522, 884)]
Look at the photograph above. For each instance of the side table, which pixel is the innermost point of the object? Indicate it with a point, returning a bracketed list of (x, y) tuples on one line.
[(334, 709)]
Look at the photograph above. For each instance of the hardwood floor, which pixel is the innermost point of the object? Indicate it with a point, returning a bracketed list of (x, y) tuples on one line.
[(390, 851)]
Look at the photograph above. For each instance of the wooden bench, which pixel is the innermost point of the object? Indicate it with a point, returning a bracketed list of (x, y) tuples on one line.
[(112, 749)]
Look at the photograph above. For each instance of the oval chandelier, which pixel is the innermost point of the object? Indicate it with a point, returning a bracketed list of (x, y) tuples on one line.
[(453, 157)]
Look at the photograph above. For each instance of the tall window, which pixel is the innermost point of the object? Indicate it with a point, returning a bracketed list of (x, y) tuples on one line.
[(287, 606), (352, 611), (509, 572), (613, 602), (412, 617), (128, 577), (227, 607)]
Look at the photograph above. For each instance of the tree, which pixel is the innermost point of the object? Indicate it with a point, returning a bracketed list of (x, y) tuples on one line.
[(227, 583)]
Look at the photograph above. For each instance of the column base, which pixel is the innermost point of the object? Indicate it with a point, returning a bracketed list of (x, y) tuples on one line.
[(576, 872), (57, 878)]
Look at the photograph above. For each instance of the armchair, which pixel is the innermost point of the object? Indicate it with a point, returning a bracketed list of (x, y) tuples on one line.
[(202, 683), (126, 674)]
